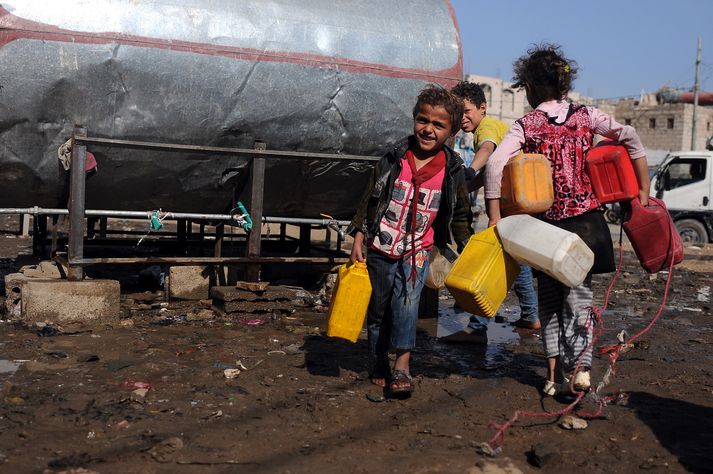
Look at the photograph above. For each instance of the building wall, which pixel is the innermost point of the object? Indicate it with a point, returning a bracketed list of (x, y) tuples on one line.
[(666, 127)]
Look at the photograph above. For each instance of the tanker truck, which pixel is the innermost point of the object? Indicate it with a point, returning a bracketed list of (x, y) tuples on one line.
[(322, 76)]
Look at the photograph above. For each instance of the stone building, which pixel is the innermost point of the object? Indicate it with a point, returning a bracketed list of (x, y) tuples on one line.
[(665, 127)]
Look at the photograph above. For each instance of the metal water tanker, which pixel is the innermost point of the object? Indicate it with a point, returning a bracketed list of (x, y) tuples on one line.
[(328, 76)]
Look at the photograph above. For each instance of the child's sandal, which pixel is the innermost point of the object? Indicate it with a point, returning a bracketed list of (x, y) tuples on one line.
[(401, 382), (380, 370)]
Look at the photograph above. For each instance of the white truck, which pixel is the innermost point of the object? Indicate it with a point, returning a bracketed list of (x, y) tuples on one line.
[(684, 181)]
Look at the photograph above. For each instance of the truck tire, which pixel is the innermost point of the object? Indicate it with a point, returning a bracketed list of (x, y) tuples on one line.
[(692, 231)]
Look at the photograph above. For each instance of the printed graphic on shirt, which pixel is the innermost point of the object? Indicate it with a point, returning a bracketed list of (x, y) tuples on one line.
[(421, 257), (395, 232), (400, 188)]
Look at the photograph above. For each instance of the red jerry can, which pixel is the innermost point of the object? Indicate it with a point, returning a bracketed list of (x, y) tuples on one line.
[(611, 172), (653, 235)]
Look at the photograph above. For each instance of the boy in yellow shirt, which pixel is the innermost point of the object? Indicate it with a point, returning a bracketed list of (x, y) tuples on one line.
[(487, 134)]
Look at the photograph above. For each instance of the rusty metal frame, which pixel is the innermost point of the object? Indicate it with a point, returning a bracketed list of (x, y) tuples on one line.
[(75, 260)]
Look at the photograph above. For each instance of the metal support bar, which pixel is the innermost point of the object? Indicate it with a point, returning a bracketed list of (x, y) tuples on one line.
[(37, 211), (77, 187), (257, 188), (213, 150), (205, 260)]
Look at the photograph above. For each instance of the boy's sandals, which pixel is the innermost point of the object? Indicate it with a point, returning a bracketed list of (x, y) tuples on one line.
[(401, 382), (380, 374)]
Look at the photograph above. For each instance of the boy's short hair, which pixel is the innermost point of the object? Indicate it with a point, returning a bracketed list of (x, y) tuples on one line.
[(470, 91), (435, 95)]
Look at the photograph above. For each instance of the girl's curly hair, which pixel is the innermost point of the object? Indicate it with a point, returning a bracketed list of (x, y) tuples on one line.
[(546, 70), (435, 95)]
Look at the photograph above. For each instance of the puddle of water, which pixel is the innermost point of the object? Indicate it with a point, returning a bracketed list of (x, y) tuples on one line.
[(471, 359), (451, 320), (8, 366)]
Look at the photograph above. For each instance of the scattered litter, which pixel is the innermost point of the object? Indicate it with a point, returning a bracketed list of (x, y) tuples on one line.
[(375, 397), (139, 395), (222, 365), (253, 321), (123, 424), (126, 323), (233, 373), (91, 435), (136, 384), (276, 353), (704, 294), (486, 450), (215, 414), (571, 422)]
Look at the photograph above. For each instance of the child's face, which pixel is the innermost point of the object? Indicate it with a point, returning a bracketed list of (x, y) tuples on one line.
[(431, 127), (472, 115)]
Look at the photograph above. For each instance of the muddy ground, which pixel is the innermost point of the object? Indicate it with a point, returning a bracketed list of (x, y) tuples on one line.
[(304, 403)]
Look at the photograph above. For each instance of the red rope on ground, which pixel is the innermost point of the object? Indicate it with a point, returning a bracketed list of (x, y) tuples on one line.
[(613, 351)]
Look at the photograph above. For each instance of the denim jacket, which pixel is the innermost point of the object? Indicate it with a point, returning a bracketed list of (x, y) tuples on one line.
[(452, 224)]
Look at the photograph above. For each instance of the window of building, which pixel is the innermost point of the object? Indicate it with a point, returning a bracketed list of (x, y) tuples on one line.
[(488, 92), (627, 121), (669, 122), (509, 100), (708, 126), (652, 123)]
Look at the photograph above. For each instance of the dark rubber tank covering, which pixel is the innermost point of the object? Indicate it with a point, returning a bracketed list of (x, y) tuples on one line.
[(330, 76)]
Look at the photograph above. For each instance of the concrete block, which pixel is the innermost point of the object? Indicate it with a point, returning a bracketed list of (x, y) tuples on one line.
[(188, 283), (62, 301)]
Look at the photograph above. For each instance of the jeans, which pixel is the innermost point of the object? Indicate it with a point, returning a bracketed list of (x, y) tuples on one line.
[(393, 309), (525, 292)]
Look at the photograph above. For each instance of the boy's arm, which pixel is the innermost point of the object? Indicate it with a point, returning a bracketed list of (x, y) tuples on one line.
[(482, 155), (509, 146), (357, 254)]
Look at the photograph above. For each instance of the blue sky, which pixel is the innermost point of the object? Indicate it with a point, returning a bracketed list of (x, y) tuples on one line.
[(621, 46)]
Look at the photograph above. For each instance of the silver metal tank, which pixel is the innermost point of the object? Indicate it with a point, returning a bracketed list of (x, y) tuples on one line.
[(331, 76)]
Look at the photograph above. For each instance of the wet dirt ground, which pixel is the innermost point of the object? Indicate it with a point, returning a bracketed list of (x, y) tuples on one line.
[(302, 402)]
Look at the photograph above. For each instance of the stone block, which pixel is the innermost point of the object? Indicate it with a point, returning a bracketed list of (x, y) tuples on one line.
[(188, 283), (62, 301)]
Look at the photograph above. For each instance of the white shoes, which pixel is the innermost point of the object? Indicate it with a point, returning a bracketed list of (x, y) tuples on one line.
[(582, 381), (550, 389)]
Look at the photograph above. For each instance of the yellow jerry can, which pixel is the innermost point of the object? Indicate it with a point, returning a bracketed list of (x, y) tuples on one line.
[(350, 300), (482, 274)]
